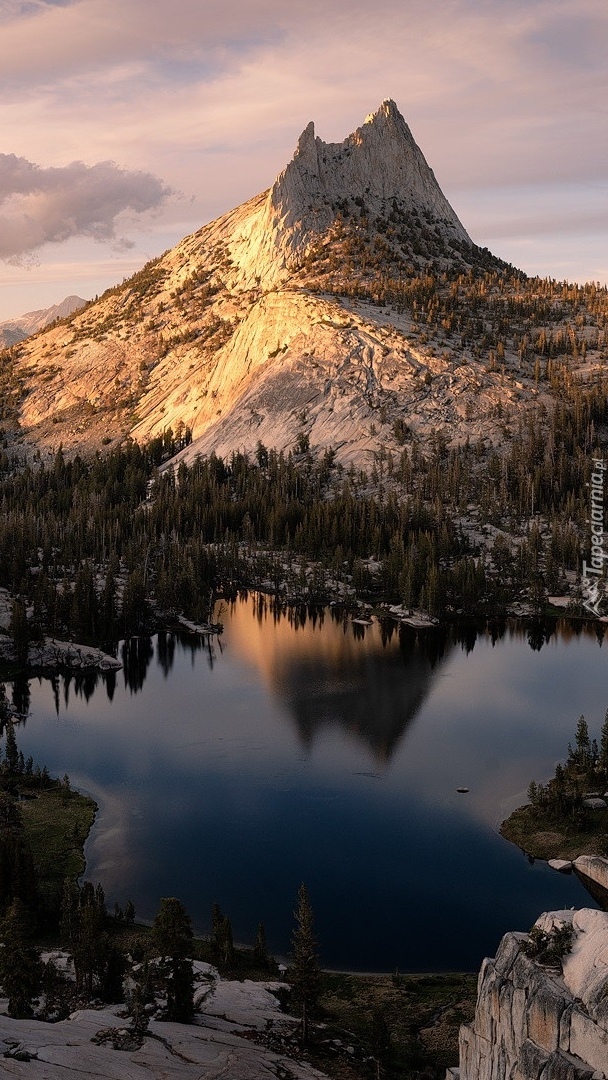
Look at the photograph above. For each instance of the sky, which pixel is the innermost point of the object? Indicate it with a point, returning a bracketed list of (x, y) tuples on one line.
[(127, 124)]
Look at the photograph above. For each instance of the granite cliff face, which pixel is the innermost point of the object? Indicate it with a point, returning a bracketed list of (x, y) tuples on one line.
[(533, 1022), (377, 167)]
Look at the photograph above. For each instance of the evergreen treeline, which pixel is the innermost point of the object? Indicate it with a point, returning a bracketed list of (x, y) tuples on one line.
[(584, 773), (88, 545), (467, 296)]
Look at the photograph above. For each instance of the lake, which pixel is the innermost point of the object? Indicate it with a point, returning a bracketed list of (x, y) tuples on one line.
[(311, 748)]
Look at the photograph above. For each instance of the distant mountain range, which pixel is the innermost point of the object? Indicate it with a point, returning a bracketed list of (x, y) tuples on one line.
[(14, 330), (345, 307)]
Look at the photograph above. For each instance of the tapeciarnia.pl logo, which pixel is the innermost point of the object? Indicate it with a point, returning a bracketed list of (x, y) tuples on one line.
[(591, 583)]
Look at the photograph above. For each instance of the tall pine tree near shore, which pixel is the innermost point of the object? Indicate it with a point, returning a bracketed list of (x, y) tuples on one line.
[(305, 971)]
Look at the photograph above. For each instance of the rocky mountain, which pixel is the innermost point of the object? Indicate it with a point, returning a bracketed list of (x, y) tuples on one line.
[(346, 307), (14, 330)]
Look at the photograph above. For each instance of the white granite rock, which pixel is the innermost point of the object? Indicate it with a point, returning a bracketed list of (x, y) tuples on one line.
[(248, 1004), (593, 867), (380, 162), (588, 1041), (64, 1051), (533, 1023)]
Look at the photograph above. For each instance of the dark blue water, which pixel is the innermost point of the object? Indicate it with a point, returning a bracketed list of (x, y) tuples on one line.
[(327, 753)]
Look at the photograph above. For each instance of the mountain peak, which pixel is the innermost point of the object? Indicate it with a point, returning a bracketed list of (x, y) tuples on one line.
[(378, 166), (387, 111), (243, 331), (386, 115), (14, 330)]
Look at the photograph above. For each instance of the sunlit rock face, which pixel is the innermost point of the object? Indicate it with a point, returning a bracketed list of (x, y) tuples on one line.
[(535, 1023)]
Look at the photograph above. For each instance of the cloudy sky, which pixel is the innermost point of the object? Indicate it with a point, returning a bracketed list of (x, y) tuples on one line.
[(126, 124)]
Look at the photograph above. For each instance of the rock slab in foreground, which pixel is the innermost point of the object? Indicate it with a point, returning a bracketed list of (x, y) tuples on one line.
[(212, 1048), (534, 1023)]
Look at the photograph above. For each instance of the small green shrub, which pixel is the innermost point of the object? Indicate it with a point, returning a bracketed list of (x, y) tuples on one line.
[(549, 948)]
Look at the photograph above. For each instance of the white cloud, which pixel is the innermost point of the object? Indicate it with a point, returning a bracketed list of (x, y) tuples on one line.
[(40, 206)]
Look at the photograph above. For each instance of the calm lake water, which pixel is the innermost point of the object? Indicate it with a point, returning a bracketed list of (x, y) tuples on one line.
[(317, 750)]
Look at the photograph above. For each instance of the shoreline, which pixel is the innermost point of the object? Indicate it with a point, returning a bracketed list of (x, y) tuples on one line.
[(54, 655), (577, 851)]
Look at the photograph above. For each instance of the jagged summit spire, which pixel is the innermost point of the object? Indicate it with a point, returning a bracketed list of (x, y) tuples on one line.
[(381, 124), (378, 165), (380, 161), (387, 110)]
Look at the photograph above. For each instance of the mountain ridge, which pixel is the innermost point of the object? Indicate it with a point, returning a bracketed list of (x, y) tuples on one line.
[(17, 329)]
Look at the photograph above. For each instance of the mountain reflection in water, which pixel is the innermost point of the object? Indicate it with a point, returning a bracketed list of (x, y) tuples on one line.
[(334, 680), (300, 746)]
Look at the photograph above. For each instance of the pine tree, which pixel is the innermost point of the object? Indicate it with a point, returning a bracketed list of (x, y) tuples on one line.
[(89, 950), (141, 996), (581, 755), (20, 964), (68, 924), (260, 949), (111, 971), (11, 753), (83, 916), (4, 709), (18, 877), (217, 920), (108, 609), (305, 971), (58, 990), (100, 901), (134, 602), (172, 938), (19, 629), (226, 942)]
